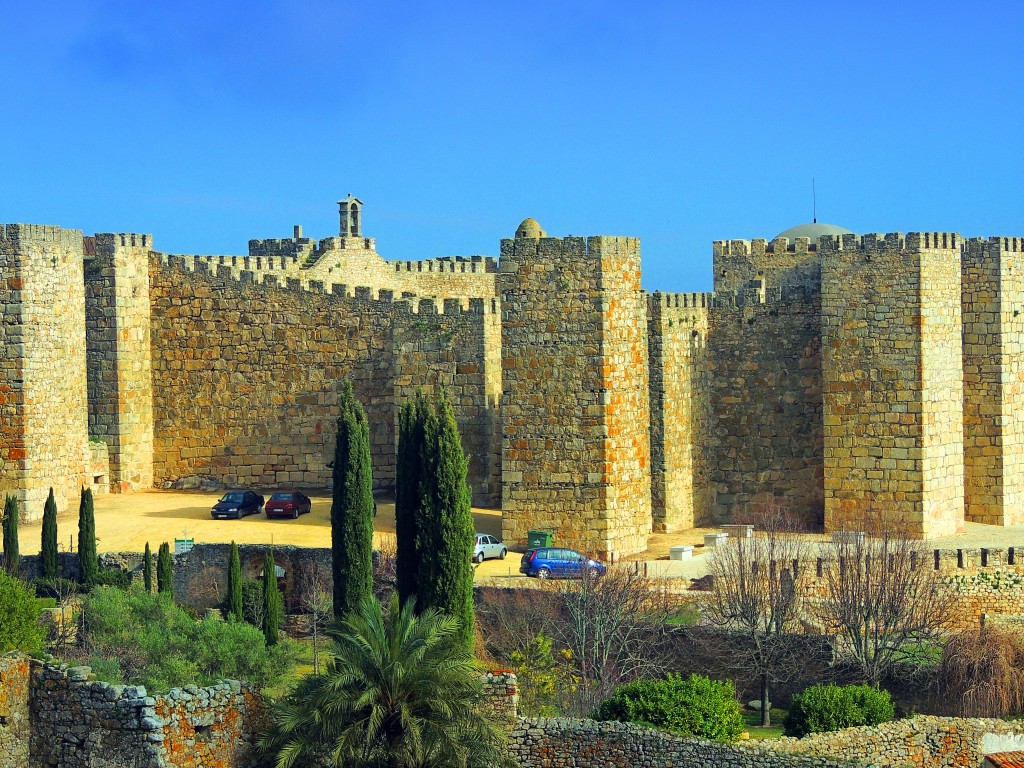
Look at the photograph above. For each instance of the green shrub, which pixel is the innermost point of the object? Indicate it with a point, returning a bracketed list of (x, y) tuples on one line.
[(113, 577), (19, 617), (142, 638), (252, 602), (693, 706), (832, 707)]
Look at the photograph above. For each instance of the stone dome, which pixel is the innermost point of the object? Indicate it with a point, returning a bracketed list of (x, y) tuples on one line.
[(813, 231), (530, 228)]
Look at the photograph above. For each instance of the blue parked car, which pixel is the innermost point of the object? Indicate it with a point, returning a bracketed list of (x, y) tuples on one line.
[(558, 563)]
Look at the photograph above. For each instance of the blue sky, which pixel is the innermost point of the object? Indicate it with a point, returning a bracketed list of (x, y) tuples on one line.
[(210, 123)]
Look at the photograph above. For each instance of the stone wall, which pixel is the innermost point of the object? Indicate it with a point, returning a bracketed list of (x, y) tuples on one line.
[(43, 416), (457, 353), (893, 383), (575, 409), (765, 440), (119, 356), (565, 743), (993, 363), (776, 265), (356, 262), (246, 374), (200, 575), (81, 723), (15, 725), (919, 742), (681, 494)]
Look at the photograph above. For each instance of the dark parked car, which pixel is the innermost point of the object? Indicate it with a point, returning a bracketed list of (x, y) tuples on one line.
[(558, 563), (237, 504), (290, 505)]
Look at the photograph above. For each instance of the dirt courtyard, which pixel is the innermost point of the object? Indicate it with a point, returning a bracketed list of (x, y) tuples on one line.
[(126, 521)]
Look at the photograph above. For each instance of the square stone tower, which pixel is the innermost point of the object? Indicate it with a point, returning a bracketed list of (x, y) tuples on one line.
[(120, 356), (893, 381), (43, 403), (993, 359), (575, 403)]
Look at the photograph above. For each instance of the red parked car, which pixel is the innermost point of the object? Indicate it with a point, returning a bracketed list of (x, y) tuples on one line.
[(290, 505)]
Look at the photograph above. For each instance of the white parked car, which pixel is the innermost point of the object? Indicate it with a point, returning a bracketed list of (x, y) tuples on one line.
[(487, 547)]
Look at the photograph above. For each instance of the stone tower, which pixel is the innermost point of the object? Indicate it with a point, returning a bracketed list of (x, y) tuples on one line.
[(575, 403), (893, 381), (120, 356), (993, 359), (350, 216), (43, 398)]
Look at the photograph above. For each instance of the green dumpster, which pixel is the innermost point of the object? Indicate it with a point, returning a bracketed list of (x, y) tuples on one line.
[(536, 539)]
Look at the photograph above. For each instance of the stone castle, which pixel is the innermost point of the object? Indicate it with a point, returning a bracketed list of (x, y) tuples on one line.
[(829, 374)]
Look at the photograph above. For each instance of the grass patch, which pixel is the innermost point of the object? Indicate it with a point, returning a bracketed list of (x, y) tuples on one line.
[(752, 718), (685, 616)]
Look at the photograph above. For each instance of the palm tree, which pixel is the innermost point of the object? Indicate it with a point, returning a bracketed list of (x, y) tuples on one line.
[(400, 691)]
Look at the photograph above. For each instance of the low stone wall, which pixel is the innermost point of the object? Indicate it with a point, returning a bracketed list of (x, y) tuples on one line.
[(14, 712), (565, 743), (920, 742), (54, 716)]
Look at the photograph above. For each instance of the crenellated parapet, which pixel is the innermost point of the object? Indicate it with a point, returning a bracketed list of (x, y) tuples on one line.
[(452, 264)]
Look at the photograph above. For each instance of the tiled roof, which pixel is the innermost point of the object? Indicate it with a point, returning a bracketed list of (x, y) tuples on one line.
[(1005, 760)]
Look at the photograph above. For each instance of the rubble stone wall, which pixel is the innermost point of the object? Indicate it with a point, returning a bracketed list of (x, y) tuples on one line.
[(44, 419), (765, 440), (15, 724), (77, 722), (893, 381), (993, 363), (566, 743), (681, 493)]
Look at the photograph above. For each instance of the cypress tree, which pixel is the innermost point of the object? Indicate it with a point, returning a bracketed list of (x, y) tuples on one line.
[(445, 522), (352, 508), (235, 585), (49, 549), (164, 570), (88, 562), (409, 473), (273, 608), (147, 569), (10, 526)]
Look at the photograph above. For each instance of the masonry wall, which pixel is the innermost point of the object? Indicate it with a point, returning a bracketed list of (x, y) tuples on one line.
[(246, 374), (919, 742), (681, 493), (567, 743), (43, 416), (765, 440), (81, 723), (119, 356), (575, 409), (893, 381), (993, 329), (777, 264), (458, 353), (355, 261), (15, 725)]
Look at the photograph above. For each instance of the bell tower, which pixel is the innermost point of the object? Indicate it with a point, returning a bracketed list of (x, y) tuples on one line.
[(350, 216)]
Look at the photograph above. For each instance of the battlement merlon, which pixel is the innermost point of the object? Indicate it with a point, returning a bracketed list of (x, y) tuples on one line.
[(473, 264), (760, 246), (18, 233), (912, 242), (981, 248), (384, 298), (515, 250)]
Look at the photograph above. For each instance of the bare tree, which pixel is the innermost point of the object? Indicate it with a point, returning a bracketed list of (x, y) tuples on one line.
[(614, 627), (317, 602), (981, 674), (385, 559), (882, 601), (755, 601)]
